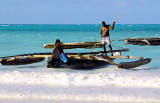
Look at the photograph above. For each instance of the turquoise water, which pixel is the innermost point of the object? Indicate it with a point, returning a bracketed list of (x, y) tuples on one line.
[(62, 85), (22, 39)]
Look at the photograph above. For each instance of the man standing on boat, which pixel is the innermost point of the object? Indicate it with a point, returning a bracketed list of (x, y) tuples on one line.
[(105, 35)]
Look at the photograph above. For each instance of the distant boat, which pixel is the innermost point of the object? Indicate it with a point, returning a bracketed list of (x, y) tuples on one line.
[(143, 41)]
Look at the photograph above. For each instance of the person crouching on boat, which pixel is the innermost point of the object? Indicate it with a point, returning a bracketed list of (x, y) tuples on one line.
[(104, 32), (57, 50), (58, 53)]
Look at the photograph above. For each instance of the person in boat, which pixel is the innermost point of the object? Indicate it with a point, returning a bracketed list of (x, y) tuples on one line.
[(104, 33), (58, 53), (57, 50)]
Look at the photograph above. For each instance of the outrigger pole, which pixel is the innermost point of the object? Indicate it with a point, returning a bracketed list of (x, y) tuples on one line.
[(48, 53), (127, 65), (108, 28)]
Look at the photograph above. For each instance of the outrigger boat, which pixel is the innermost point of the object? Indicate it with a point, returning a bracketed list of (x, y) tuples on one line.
[(83, 60), (143, 41)]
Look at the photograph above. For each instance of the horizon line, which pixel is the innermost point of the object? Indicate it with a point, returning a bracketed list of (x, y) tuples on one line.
[(70, 24)]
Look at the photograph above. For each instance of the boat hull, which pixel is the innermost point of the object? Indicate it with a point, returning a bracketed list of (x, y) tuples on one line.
[(21, 61), (76, 63), (143, 41)]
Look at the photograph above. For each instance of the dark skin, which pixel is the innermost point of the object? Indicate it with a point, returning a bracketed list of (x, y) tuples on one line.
[(104, 31), (60, 50)]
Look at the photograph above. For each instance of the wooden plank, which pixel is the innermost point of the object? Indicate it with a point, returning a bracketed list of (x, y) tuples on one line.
[(84, 53), (49, 54), (126, 57), (28, 55)]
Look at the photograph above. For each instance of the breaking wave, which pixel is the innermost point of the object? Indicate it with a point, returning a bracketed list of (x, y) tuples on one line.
[(127, 79)]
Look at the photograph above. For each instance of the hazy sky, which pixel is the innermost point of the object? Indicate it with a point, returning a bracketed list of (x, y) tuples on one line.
[(79, 11)]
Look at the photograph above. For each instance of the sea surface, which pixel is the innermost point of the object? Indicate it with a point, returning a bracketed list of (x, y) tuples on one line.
[(35, 83)]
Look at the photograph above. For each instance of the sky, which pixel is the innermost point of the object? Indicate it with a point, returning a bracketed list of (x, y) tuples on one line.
[(79, 11)]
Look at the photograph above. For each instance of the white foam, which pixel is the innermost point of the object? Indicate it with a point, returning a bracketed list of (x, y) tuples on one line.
[(103, 97), (99, 94), (126, 79)]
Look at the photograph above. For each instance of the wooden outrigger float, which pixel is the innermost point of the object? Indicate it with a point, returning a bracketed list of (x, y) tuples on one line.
[(21, 60), (87, 45), (143, 41), (85, 60)]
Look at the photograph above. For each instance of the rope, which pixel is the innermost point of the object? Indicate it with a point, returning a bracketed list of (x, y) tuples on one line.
[(118, 46), (95, 45)]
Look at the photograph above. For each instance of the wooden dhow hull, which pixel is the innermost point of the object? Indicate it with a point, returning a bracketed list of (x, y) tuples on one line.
[(79, 63)]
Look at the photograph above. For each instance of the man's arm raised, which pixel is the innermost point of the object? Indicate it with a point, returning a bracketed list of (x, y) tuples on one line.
[(112, 26)]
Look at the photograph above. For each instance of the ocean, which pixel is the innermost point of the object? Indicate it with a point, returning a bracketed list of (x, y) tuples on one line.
[(35, 83)]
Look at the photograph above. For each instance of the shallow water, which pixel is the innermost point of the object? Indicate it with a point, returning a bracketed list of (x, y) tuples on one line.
[(36, 83)]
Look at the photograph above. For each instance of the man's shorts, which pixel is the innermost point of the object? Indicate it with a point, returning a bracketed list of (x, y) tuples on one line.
[(106, 40)]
